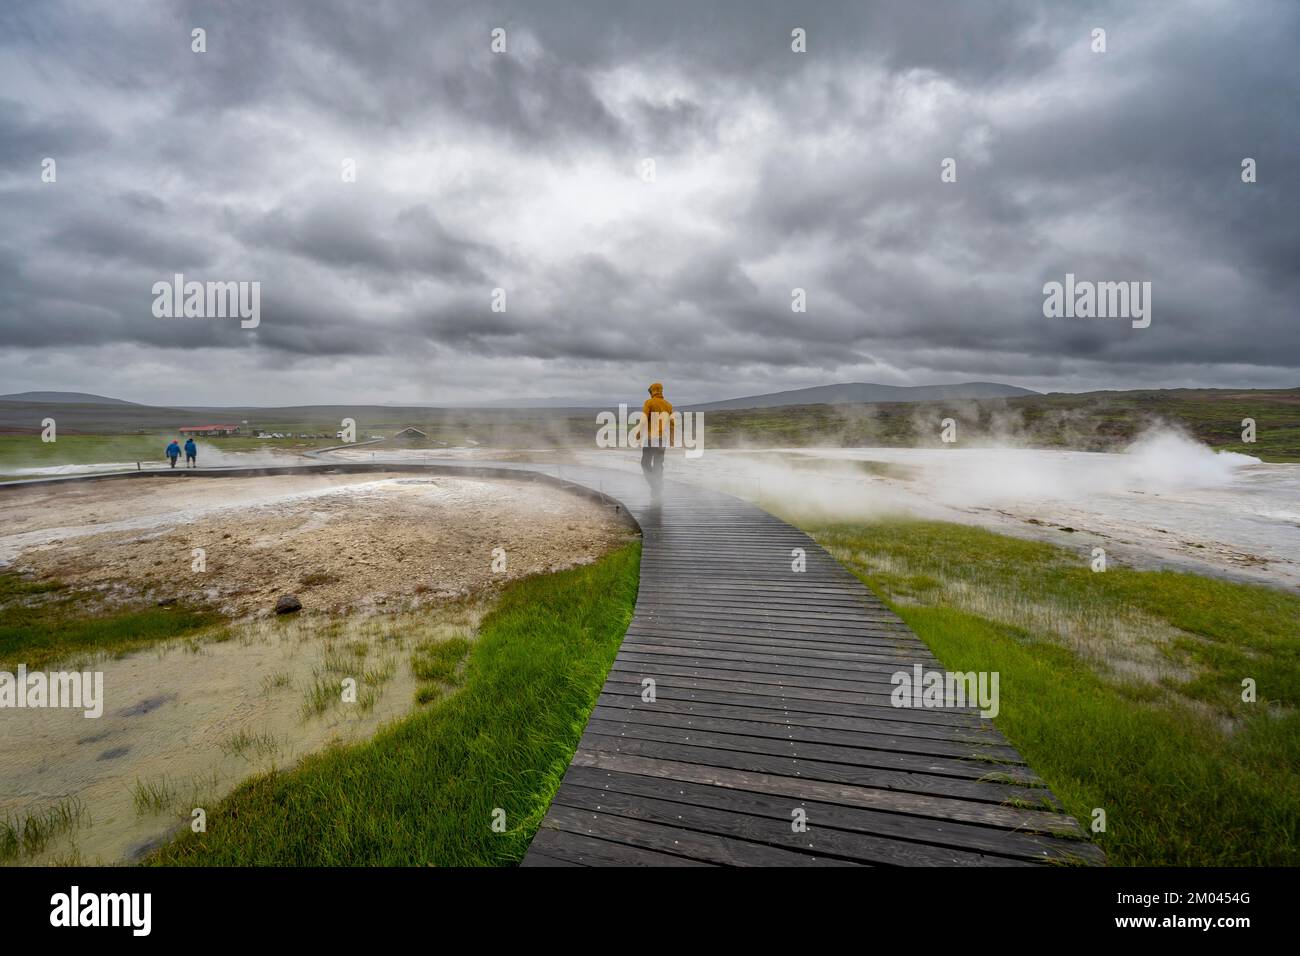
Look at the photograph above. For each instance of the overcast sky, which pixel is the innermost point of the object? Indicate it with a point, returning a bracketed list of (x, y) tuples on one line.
[(522, 170)]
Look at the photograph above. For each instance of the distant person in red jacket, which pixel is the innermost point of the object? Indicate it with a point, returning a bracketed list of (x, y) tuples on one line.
[(658, 432)]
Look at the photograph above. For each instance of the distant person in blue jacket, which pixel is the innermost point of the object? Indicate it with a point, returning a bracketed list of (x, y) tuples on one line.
[(191, 454), (174, 451)]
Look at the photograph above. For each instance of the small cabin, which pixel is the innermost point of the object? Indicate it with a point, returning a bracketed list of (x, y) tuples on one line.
[(410, 434)]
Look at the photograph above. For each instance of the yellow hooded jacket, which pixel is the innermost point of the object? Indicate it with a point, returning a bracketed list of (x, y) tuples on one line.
[(656, 405)]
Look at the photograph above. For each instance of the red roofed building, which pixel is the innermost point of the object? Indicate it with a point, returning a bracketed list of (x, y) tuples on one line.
[(209, 430)]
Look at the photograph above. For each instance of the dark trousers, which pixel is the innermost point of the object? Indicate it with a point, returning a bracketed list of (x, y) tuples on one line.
[(173, 458), (192, 460), (652, 465)]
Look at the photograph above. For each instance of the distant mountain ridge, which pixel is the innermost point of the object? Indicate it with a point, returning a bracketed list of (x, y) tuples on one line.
[(847, 393), (842, 394), (64, 398)]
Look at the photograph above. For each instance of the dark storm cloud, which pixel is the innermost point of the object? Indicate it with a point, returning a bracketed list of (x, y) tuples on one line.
[(24, 134), (775, 170), (351, 236), (115, 233)]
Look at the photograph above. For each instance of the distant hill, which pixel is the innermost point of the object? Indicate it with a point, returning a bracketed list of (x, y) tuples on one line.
[(552, 402), (856, 392), (64, 398)]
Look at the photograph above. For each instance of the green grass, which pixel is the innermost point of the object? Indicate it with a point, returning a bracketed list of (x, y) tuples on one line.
[(30, 834), (273, 682), (321, 696), (346, 661), (424, 791), (439, 666), (244, 741), (42, 622), (1121, 688), (439, 661), (153, 796)]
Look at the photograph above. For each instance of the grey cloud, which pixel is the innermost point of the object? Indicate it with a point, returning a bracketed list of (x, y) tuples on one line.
[(352, 236), (27, 138)]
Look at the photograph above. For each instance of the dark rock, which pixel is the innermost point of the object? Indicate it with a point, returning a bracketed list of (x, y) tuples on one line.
[(166, 602), (287, 604)]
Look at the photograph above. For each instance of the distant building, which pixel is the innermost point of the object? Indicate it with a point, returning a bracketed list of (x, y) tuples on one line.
[(411, 434), (210, 431)]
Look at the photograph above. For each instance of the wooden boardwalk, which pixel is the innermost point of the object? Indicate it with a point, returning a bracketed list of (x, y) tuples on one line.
[(772, 702)]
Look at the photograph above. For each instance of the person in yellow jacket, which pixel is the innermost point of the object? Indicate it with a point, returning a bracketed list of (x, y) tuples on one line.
[(658, 430)]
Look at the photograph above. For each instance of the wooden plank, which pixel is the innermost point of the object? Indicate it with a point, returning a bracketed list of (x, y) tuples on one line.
[(879, 644), (820, 678), (536, 857), (829, 791), (803, 742), (874, 661), (692, 844), (770, 829), (640, 735), (687, 624), (754, 757), (868, 732), (927, 722), (581, 850), (928, 832)]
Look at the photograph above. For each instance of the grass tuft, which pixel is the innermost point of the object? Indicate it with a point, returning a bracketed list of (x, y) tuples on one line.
[(29, 834), (153, 796)]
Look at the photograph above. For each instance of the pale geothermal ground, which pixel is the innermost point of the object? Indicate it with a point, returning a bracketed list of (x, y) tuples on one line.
[(186, 722), (356, 540)]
